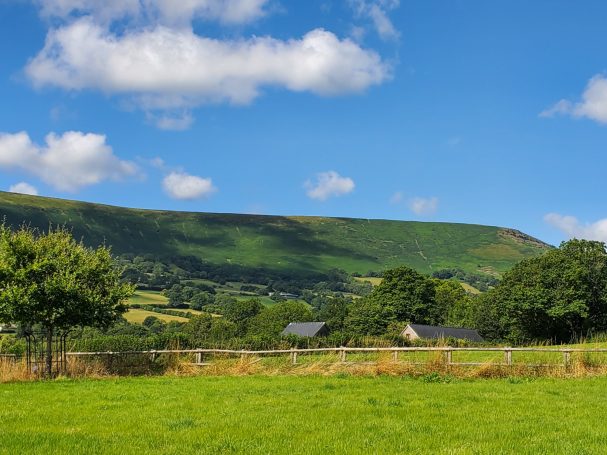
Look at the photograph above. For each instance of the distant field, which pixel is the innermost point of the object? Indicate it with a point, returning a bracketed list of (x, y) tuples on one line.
[(375, 281), (137, 316), (148, 298), (305, 415), (470, 289)]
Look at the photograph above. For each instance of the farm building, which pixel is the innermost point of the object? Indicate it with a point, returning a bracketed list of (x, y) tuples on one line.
[(416, 331), (306, 329), (8, 328)]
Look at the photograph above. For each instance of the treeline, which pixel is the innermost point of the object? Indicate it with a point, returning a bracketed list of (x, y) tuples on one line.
[(557, 297)]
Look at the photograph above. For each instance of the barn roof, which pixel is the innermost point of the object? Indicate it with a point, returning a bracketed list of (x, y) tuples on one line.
[(305, 329), (431, 331)]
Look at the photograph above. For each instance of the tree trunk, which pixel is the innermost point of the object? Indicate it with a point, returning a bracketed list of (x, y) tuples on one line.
[(49, 352)]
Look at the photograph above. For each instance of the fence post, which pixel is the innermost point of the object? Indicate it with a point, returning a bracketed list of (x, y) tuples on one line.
[(566, 359), (448, 357), (395, 356), (508, 356), (342, 354), (293, 356), (199, 357)]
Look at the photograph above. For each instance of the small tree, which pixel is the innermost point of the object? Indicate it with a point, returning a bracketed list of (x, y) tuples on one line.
[(53, 281)]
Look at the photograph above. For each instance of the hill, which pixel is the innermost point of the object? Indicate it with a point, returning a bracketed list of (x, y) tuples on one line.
[(281, 244)]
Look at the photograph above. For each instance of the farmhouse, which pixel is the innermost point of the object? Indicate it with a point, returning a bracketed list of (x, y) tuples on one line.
[(416, 331), (306, 329)]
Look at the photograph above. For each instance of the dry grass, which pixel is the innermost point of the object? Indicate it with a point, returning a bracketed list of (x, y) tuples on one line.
[(383, 364), (11, 371)]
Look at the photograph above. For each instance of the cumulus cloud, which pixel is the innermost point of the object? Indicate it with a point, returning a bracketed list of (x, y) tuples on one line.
[(67, 162), (24, 188), (423, 206), (180, 185), (377, 12), (170, 68), (171, 12), (573, 228), (593, 104), (328, 184)]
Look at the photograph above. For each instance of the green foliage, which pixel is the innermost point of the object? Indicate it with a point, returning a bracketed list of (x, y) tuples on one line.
[(560, 295), (56, 282), (454, 304), (272, 320), (334, 311), (240, 312)]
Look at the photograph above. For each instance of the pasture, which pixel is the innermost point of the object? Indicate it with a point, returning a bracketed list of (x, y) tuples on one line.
[(148, 298), (343, 414), (137, 316)]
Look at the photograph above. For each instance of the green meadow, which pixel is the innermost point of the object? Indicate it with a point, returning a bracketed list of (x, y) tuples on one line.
[(305, 415)]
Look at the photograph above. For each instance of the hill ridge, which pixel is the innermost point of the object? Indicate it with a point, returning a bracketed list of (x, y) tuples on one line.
[(280, 242)]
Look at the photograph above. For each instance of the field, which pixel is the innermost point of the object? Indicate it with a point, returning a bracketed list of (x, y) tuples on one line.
[(148, 298), (137, 316), (297, 245), (310, 415)]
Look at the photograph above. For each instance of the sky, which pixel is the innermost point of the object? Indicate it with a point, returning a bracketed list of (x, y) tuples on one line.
[(470, 111)]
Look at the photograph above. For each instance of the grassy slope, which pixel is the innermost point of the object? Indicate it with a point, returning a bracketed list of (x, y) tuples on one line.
[(294, 415), (279, 243)]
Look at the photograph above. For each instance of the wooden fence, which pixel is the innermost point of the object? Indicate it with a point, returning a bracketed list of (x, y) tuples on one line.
[(342, 354)]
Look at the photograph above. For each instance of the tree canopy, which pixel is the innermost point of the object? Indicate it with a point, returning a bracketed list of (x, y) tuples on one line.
[(559, 295), (53, 281)]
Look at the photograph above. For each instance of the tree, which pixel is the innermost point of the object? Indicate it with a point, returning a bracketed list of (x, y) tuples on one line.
[(559, 295), (240, 312), (453, 305), (272, 320), (403, 296), (53, 281), (334, 312)]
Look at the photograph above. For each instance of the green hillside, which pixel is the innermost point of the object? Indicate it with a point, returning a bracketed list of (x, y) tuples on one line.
[(279, 243)]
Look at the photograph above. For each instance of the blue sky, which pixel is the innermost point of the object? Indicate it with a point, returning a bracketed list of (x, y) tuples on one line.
[(489, 112)]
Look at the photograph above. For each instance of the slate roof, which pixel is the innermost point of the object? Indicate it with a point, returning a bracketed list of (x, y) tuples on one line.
[(430, 331), (306, 329)]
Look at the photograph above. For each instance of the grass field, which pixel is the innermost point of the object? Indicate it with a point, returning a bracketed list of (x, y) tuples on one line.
[(137, 316), (148, 298), (279, 243), (311, 415), (375, 281)]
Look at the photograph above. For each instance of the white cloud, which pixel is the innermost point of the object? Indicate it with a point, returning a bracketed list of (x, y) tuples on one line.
[(397, 198), (377, 12), (423, 206), (67, 162), (592, 106), (180, 185), (168, 122), (24, 188), (571, 226), (166, 68), (171, 12), (561, 108), (328, 184)]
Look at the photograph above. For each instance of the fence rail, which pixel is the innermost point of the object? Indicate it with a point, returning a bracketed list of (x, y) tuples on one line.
[(343, 351)]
